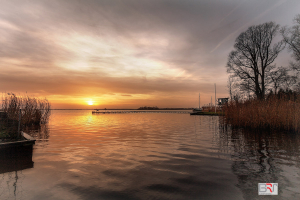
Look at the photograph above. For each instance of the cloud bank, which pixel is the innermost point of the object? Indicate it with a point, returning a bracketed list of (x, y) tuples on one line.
[(128, 53)]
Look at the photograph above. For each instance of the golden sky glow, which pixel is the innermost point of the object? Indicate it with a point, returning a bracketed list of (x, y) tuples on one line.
[(106, 54)]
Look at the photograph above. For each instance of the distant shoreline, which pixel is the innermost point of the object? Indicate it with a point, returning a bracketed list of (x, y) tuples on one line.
[(130, 109)]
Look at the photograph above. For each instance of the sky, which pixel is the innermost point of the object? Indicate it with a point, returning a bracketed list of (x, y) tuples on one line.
[(124, 53)]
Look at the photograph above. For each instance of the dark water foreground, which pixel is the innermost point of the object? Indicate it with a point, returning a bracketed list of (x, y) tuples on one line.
[(151, 156)]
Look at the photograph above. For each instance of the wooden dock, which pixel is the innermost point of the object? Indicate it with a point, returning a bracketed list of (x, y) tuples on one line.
[(139, 111)]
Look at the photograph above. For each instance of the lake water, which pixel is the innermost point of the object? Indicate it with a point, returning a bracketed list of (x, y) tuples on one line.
[(152, 156)]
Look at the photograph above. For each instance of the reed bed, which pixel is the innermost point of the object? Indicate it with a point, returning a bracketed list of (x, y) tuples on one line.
[(33, 110), (273, 113)]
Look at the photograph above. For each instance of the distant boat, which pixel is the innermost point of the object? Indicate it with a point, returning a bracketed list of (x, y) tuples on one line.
[(196, 110)]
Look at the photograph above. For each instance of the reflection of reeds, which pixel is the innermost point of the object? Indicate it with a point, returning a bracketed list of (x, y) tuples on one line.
[(257, 155), (34, 110), (273, 113)]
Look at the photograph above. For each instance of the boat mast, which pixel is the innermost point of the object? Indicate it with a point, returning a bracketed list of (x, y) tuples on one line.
[(215, 98), (199, 101)]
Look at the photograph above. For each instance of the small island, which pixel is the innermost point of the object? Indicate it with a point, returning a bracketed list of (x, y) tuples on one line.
[(148, 108)]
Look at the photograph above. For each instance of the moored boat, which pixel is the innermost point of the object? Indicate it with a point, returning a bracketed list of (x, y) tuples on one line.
[(197, 110)]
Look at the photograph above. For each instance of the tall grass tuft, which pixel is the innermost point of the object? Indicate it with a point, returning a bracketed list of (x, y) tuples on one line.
[(273, 113), (34, 110)]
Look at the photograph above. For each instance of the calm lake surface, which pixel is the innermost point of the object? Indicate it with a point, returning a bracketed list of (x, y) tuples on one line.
[(152, 156)]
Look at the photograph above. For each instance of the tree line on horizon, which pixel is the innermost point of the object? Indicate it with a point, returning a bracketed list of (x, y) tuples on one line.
[(251, 65)]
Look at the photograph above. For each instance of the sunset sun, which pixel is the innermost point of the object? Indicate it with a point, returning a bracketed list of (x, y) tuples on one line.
[(143, 99)]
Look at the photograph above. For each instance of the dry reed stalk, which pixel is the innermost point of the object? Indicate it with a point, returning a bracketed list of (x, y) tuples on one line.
[(34, 110), (272, 113)]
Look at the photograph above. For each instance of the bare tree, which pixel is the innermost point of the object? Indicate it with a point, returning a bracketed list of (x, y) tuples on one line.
[(246, 86), (289, 81), (252, 59), (277, 78), (236, 90), (297, 88), (291, 36), (230, 86), (280, 79)]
